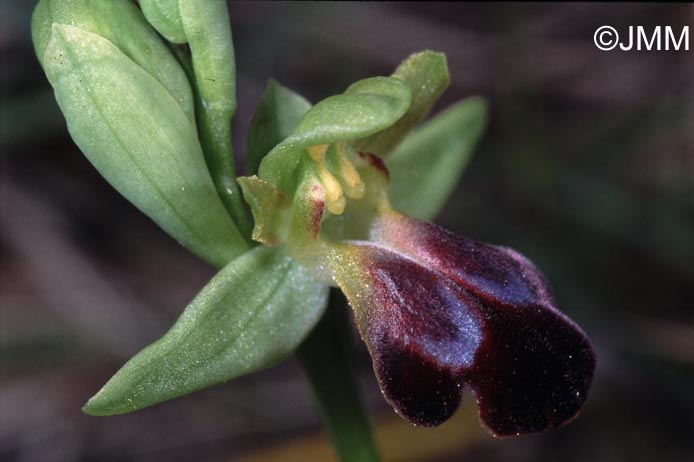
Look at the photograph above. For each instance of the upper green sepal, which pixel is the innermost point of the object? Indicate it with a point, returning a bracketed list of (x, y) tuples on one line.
[(122, 23), (253, 313), (366, 107), (137, 136), (426, 75), (428, 164)]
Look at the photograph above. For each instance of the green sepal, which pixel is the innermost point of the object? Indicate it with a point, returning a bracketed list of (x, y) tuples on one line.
[(252, 314), (165, 17), (122, 23), (276, 117), (139, 139), (366, 107), (270, 208), (425, 168), (426, 75)]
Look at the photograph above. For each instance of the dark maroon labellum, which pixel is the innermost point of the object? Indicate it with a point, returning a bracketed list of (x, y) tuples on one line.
[(439, 312)]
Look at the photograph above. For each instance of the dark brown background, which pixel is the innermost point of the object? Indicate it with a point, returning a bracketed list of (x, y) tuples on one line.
[(587, 167)]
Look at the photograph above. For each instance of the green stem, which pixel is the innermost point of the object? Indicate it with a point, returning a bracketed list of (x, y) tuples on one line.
[(215, 138), (214, 133), (326, 359)]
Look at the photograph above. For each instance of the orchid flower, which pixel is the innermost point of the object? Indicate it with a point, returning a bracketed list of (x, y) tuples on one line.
[(439, 313)]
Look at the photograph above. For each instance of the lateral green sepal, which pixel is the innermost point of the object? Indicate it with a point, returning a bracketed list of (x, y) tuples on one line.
[(428, 164)]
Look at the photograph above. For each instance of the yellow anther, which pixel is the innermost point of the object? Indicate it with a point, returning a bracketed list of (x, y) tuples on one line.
[(333, 190), (354, 187), (356, 192), (317, 153), (338, 206)]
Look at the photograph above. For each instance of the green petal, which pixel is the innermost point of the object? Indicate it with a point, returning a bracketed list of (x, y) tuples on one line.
[(134, 133), (426, 75), (366, 107), (165, 17), (428, 164), (122, 23), (252, 314), (269, 207), (276, 117)]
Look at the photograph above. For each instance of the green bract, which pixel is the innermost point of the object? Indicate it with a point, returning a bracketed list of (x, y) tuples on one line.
[(253, 313), (139, 139)]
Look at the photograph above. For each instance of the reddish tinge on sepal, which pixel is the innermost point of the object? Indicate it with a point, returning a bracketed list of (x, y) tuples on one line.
[(439, 312)]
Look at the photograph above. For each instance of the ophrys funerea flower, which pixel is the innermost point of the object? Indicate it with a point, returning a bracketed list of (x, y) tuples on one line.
[(439, 313)]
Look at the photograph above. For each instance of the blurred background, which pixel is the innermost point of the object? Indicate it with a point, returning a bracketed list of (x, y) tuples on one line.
[(587, 167)]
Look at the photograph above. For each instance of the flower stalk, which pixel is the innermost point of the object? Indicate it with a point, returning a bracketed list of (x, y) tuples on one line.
[(327, 360)]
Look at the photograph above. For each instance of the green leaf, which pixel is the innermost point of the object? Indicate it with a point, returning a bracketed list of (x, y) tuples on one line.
[(134, 133), (276, 117), (366, 107), (428, 164), (426, 75), (252, 314), (122, 23), (165, 17)]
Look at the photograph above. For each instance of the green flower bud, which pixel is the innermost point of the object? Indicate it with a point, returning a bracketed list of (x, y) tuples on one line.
[(122, 23), (165, 17), (131, 129)]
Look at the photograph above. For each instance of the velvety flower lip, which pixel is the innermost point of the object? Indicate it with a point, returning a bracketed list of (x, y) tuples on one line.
[(532, 371), (420, 329), (439, 312), (499, 274)]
